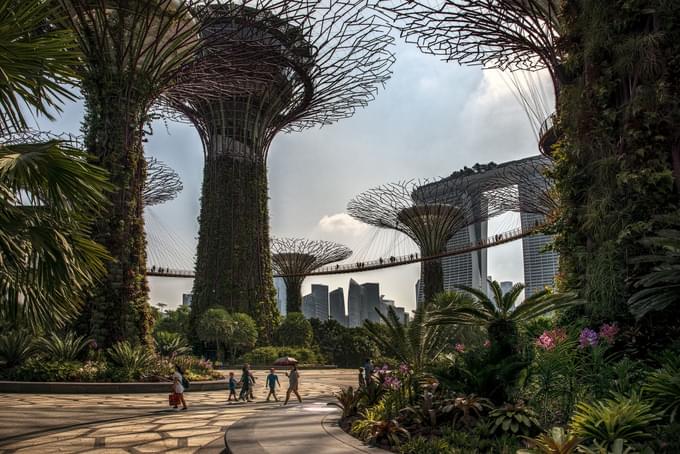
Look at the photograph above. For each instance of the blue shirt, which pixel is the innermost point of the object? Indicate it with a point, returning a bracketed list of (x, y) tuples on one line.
[(232, 383), (272, 380)]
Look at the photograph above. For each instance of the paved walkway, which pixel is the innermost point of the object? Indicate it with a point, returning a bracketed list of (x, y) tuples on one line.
[(311, 427), (138, 423)]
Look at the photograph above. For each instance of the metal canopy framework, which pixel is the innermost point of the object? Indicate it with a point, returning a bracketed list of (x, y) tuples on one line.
[(293, 258), (294, 64), (162, 183)]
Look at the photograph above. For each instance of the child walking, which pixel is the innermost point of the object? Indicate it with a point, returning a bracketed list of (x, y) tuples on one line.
[(272, 381), (232, 387)]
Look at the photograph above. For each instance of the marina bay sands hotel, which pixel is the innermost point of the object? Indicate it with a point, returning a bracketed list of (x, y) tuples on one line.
[(517, 186)]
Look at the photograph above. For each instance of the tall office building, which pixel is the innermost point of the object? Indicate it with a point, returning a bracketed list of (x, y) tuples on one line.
[(308, 306), (280, 286), (506, 286), (365, 301), (336, 302), (354, 297), (320, 295)]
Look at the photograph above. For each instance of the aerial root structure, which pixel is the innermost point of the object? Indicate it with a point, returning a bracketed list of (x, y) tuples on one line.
[(293, 258), (293, 65)]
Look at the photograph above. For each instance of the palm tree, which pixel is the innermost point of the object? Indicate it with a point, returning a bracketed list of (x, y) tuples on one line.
[(500, 315), (415, 343), (49, 195), (37, 61)]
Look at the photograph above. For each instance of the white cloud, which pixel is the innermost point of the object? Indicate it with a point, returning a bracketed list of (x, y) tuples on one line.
[(342, 223)]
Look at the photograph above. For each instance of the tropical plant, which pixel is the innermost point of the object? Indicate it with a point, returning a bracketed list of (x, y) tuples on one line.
[(388, 430), (37, 62), (663, 388), (555, 441), (468, 408), (617, 447), (515, 418), (661, 286), (176, 321), (347, 401), (416, 343), (15, 347), (131, 360), (500, 315), (170, 345), (67, 347), (620, 417), (372, 393), (243, 334), (49, 195), (422, 445), (369, 416)]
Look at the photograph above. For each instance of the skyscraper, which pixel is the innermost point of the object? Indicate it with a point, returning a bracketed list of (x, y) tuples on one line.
[(320, 296), (336, 300), (354, 303), (280, 286), (308, 306)]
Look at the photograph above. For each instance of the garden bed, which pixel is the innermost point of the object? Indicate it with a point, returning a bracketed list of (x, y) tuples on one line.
[(104, 388)]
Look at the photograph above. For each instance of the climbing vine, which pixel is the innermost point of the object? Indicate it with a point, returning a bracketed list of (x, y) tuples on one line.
[(618, 115)]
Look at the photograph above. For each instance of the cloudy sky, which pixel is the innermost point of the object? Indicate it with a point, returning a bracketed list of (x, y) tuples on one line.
[(430, 119)]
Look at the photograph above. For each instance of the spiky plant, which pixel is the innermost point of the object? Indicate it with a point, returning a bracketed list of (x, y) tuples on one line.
[(15, 347), (66, 347)]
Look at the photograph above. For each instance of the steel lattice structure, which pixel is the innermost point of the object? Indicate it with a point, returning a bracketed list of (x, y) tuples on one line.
[(428, 214), (300, 64), (162, 183), (293, 258)]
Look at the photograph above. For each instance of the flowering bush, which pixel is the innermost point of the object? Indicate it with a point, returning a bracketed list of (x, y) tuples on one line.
[(550, 339), (587, 338), (460, 348), (608, 332)]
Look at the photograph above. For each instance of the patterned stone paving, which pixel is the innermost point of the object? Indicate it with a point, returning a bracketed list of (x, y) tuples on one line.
[(139, 423)]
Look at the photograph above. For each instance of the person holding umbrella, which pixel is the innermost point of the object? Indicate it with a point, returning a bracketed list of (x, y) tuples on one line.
[(293, 381)]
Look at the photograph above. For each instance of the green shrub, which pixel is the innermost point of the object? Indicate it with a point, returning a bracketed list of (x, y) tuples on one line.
[(37, 369), (68, 347), (422, 445), (170, 345), (517, 419), (556, 441), (294, 330), (621, 417), (197, 368), (131, 361), (15, 347), (267, 355), (348, 401)]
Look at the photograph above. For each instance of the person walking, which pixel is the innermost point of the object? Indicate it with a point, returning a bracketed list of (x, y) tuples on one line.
[(293, 382), (272, 381), (178, 387), (245, 384), (252, 382), (232, 387), (368, 371)]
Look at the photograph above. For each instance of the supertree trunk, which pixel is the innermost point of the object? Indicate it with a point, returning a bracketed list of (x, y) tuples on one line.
[(118, 307), (233, 258), (433, 279), (293, 294)]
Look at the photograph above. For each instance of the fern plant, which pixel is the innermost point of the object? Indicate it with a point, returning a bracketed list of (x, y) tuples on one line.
[(621, 417), (68, 347)]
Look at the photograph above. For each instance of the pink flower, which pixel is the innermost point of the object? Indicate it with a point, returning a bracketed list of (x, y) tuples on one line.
[(487, 343), (550, 339), (609, 331), (392, 382), (460, 348), (404, 369), (587, 338)]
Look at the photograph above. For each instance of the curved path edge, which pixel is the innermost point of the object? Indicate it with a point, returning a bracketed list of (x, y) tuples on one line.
[(25, 387)]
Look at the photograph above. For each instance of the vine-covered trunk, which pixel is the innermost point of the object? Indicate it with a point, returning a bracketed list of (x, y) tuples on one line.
[(118, 308), (433, 279), (233, 262), (614, 163), (293, 294)]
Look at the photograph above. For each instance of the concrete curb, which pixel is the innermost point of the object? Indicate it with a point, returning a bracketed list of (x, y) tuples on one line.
[(25, 387)]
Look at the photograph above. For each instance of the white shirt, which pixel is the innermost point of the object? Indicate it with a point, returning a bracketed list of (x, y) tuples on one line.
[(177, 387)]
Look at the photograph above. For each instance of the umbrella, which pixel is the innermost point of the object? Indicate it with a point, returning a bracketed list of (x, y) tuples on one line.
[(285, 361)]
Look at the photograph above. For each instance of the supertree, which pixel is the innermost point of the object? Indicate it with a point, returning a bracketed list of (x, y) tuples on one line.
[(513, 35), (162, 183), (294, 258), (132, 50), (429, 214), (306, 63)]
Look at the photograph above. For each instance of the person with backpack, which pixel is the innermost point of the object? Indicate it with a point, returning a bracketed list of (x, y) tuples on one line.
[(179, 385)]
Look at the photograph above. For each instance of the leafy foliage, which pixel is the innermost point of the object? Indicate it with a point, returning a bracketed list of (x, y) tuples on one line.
[(170, 345), (421, 445), (663, 388), (267, 355), (15, 347), (347, 401), (515, 418), (605, 421), (131, 360), (295, 330), (556, 441), (68, 347)]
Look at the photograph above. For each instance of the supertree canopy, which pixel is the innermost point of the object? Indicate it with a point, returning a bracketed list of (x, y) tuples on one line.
[(429, 214), (132, 50), (293, 258), (162, 183), (303, 63)]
